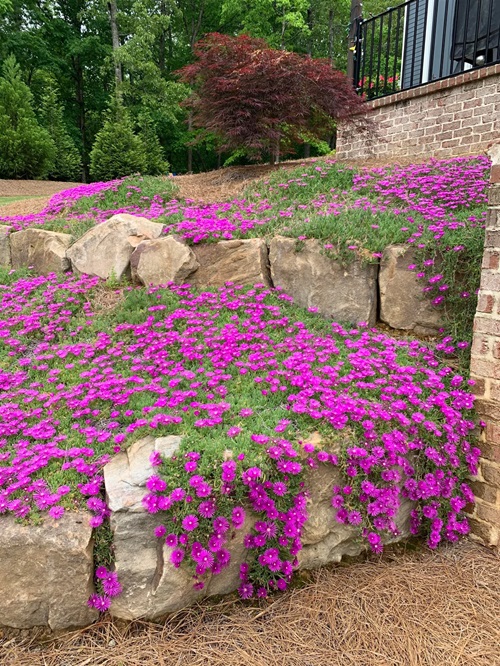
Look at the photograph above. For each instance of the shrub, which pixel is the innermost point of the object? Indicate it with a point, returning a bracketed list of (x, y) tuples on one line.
[(262, 99), (117, 151), (67, 162), (26, 148)]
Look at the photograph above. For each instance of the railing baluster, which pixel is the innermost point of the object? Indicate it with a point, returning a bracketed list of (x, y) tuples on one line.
[(476, 34), (387, 51), (433, 40), (380, 37), (466, 28), (370, 69), (443, 46), (424, 35), (364, 29), (405, 43), (415, 34), (396, 51)]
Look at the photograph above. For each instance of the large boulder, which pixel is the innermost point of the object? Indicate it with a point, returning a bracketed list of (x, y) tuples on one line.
[(46, 573), (4, 246), (162, 261), (243, 262), (314, 280), (403, 305), (44, 251), (153, 587), (106, 249)]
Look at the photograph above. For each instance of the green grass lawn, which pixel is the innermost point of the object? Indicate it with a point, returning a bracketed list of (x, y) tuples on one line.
[(7, 200)]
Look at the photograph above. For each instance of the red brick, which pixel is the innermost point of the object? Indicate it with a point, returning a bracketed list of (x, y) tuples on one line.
[(480, 345), (485, 368), (486, 303), (492, 434), (495, 173), (491, 259), (493, 219), (496, 350), (485, 325), (487, 409), (495, 390), (479, 387)]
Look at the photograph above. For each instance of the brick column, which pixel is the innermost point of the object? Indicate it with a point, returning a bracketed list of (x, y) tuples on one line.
[(485, 369)]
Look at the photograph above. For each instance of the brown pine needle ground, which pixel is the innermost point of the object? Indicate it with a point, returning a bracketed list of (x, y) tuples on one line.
[(413, 609)]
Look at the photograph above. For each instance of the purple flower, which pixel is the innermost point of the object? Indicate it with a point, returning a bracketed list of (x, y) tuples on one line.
[(245, 590), (238, 517), (190, 523), (176, 557)]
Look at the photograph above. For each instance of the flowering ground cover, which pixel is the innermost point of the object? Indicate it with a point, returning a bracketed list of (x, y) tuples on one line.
[(249, 381), (438, 208)]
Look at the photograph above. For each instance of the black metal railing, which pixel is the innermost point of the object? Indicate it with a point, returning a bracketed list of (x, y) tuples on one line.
[(424, 40)]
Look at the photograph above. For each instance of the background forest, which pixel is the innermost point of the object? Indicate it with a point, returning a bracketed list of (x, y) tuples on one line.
[(62, 61)]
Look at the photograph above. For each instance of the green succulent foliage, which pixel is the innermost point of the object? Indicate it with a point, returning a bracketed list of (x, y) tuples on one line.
[(26, 148)]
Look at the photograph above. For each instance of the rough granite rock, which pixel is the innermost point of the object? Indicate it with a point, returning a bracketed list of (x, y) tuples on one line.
[(106, 249), (162, 261), (46, 573), (326, 541), (4, 246), (402, 303), (343, 293), (153, 587), (244, 262), (44, 250)]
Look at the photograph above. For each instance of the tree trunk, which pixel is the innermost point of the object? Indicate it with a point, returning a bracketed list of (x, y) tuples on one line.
[(330, 36), (115, 38), (307, 150), (80, 100), (163, 42), (310, 26), (190, 148)]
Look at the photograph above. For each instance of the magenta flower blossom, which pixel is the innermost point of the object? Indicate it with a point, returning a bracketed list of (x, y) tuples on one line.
[(238, 517), (190, 523)]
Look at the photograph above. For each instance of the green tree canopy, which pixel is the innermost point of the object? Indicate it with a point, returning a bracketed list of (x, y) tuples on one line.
[(26, 148), (117, 151)]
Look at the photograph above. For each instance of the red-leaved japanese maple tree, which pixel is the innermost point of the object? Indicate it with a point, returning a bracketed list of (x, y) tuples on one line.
[(261, 99)]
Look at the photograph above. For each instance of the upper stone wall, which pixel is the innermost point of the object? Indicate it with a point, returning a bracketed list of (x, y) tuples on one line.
[(456, 116)]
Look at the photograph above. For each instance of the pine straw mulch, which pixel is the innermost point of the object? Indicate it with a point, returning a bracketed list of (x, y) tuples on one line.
[(406, 609)]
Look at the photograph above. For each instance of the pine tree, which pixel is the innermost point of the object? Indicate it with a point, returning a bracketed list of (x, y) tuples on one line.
[(117, 151), (68, 162), (26, 148), (155, 164)]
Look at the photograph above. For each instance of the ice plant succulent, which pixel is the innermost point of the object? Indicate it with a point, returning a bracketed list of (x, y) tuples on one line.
[(245, 377)]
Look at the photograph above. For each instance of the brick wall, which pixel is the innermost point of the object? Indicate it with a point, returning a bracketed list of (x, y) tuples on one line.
[(485, 369), (456, 116)]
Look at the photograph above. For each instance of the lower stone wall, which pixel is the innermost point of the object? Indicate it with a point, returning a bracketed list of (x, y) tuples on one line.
[(485, 369), (456, 116), (126, 245)]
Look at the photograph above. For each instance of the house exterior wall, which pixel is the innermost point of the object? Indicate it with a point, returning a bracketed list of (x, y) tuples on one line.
[(485, 370), (456, 116)]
